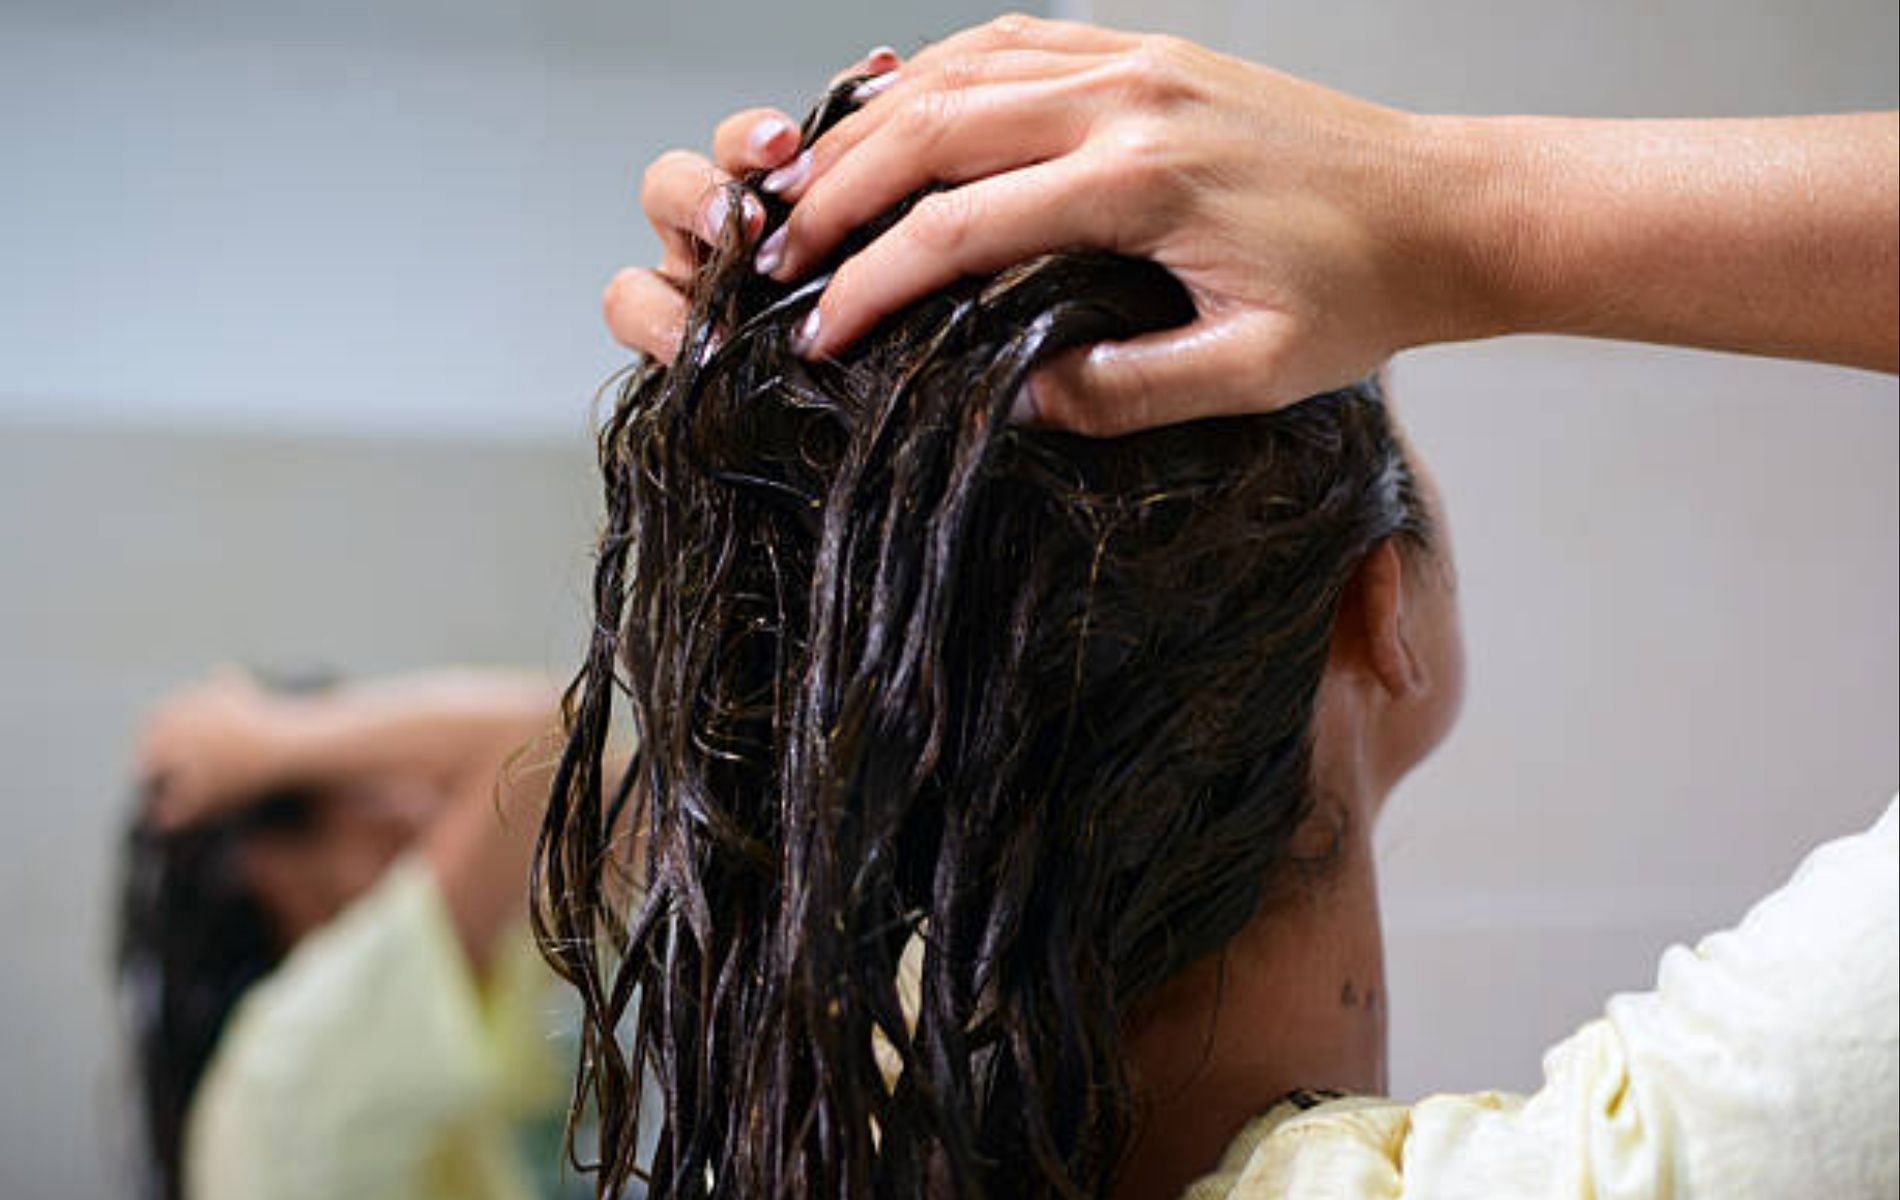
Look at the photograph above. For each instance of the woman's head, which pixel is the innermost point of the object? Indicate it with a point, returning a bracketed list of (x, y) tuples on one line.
[(210, 907), (305, 876), (901, 672)]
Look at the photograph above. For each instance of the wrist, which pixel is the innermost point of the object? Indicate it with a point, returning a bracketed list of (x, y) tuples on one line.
[(1476, 196)]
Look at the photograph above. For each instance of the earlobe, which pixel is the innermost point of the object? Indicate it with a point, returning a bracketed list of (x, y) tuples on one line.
[(1381, 581)]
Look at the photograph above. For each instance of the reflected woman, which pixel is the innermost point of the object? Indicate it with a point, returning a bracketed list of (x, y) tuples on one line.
[(321, 954)]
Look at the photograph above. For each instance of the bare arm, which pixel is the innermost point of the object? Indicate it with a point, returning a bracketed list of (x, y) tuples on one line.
[(444, 724), (481, 844), (484, 740), (1319, 234), (1775, 236)]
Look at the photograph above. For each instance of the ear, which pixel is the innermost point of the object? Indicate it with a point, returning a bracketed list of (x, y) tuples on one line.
[(1369, 633)]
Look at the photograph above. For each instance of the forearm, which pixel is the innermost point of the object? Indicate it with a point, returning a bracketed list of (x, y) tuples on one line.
[(482, 843), (487, 739), (443, 725), (1773, 236)]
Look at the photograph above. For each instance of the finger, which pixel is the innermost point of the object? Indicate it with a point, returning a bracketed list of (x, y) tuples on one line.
[(1224, 366), (686, 199), (1019, 32), (880, 61), (675, 194), (151, 786), (976, 229), (943, 137), (1008, 48), (645, 312), (152, 774), (173, 803), (756, 139), (791, 171), (923, 105)]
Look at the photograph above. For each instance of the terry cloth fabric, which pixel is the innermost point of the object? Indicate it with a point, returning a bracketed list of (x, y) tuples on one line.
[(372, 1066), (1764, 1066)]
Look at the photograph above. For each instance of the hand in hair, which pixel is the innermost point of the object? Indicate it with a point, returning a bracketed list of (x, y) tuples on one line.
[(1318, 234), (210, 748), (1070, 135)]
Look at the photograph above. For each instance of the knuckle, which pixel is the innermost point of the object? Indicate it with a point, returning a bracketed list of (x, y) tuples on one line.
[(964, 70), (926, 116), (612, 297), (1264, 357), (1139, 162), (810, 218), (1091, 420), (653, 181), (1136, 145), (1055, 406), (1011, 28), (1061, 404), (1166, 50), (940, 222), (1153, 72), (620, 304)]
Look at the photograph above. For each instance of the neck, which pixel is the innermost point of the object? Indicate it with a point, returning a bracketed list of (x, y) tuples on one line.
[(1296, 1000)]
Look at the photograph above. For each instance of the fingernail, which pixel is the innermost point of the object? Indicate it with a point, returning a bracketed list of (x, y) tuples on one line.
[(791, 175), (872, 87), (710, 347), (753, 212), (880, 60), (769, 133), (771, 252), (1023, 410), (712, 218), (806, 335)]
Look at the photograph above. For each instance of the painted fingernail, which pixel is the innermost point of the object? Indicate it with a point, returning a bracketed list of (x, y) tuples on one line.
[(752, 210), (872, 87), (806, 335), (768, 137), (788, 177), (1023, 410), (880, 60), (710, 347), (712, 218), (771, 252)]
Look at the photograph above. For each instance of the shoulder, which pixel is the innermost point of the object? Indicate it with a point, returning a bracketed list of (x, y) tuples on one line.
[(360, 973), (373, 1023)]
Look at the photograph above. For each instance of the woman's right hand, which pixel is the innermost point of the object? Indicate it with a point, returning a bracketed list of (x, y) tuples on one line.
[(683, 196), (1292, 213), (1318, 234)]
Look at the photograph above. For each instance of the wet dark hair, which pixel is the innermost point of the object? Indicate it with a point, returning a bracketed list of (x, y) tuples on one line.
[(900, 670), (192, 938)]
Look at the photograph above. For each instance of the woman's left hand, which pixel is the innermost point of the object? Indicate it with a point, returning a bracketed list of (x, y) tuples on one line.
[(210, 749)]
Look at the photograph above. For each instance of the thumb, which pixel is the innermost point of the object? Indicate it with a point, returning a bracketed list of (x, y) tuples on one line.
[(1217, 366)]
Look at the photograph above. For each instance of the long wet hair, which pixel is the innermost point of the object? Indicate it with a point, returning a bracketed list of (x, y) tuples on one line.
[(905, 677), (193, 937)]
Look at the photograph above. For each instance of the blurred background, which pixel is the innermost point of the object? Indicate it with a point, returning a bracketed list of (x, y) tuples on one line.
[(299, 336)]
